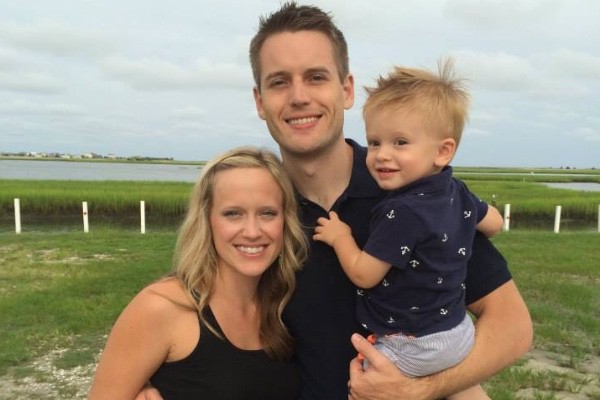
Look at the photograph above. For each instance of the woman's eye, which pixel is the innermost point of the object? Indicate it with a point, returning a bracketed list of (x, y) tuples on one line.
[(269, 213)]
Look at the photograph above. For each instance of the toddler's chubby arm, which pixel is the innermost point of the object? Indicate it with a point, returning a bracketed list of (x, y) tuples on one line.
[(492, 223), (364, 270)]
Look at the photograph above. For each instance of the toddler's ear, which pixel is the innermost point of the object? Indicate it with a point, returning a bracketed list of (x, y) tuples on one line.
[(445, 152)]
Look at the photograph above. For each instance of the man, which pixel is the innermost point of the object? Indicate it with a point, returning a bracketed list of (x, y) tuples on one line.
[(303, 86)]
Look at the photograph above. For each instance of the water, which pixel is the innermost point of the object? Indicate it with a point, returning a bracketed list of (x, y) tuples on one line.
[(95, 171), (585, 186)]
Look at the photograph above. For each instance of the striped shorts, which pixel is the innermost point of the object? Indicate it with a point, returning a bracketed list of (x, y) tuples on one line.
[(426, 355)]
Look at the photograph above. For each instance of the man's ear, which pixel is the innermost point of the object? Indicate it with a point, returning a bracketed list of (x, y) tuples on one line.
[(348, 86), (258, 102), (445, 152)]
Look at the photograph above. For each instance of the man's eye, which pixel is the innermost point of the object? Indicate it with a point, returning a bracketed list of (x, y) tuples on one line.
[(277, 83), (318, 78)]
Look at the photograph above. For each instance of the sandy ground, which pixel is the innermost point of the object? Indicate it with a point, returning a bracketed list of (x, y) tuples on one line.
[(51, 383)]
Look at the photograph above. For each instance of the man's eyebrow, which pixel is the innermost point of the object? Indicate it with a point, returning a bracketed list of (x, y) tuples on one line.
[(320, 70)]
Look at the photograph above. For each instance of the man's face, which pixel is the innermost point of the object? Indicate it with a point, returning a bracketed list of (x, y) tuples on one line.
[(301, 97)]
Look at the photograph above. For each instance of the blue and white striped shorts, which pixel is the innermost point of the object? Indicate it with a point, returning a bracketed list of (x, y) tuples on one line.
[(426, 355)]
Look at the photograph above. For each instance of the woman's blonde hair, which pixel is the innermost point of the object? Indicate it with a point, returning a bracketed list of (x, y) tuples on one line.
[(195, 261)]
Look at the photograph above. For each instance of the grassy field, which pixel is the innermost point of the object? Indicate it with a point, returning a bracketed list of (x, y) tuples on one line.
[(61, 291)]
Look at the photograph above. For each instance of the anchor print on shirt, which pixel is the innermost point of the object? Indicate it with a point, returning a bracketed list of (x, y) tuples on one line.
[(445, 238), (391, 215), (467, 214), (391, 320), (462, 251), (404, 249), (443, 311), (413, 263), (385, 283)]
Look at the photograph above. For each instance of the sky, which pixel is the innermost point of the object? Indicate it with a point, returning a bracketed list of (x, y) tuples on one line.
[(172, 78)]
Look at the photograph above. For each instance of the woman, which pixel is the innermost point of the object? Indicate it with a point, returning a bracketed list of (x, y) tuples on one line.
[(213, 328)]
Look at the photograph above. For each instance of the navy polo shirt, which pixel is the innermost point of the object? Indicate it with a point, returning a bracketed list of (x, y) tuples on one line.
[(321, 314), (425, 231)]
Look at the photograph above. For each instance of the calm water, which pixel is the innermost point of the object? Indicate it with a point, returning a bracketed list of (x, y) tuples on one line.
[(91, 171), (585, 186)]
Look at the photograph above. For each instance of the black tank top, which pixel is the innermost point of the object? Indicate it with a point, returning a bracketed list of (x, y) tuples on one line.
[(216, 369)]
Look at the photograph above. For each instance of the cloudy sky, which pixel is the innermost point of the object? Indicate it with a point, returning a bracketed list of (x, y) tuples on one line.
[(172, 79)]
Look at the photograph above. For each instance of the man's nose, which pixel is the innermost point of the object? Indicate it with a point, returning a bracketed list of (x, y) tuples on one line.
[(299, 94)]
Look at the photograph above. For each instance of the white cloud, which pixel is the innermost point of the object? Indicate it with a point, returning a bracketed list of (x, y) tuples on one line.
[(189, 113), (496, 71), (587, 134), (36, 108), (54, 38), (497, 14), (32, 82), (155, 74), (572, 64)]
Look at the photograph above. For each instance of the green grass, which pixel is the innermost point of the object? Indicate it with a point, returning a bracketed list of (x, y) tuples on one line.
[(66, 289), (530, 199), (47, 197), (63, 290)]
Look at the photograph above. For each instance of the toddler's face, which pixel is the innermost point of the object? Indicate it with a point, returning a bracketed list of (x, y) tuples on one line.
[(402, 148)]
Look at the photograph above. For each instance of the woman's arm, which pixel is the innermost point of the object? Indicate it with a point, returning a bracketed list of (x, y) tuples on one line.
[(137, 345)]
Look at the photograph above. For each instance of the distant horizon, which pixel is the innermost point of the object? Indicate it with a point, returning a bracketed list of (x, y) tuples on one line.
[(141, 158)]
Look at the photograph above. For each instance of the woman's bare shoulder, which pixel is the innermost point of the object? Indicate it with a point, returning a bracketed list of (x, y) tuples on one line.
[(165, 296)]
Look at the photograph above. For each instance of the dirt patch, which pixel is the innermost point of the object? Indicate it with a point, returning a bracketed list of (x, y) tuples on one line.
[(581, 382), (46, 381)]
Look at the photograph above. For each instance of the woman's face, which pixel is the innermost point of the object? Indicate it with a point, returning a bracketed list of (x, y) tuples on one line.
[(246, 220)]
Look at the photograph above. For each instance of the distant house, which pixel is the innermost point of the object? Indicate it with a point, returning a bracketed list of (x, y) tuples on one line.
[(87, 155)]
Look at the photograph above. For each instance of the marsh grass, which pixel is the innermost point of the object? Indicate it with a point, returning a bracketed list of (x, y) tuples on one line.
[(39, 198), (117, 202)]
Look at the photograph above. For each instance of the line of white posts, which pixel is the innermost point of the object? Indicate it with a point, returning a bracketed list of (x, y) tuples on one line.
[(557, 215), (84, 209), (86, 226)]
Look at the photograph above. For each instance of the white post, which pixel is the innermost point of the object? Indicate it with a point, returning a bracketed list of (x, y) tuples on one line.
[(506, 217), (557, 219), (18, 216), (86, 226), (143, 216)]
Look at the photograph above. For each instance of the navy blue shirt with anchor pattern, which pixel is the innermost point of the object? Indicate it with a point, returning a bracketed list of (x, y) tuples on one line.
[(425, 231)]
